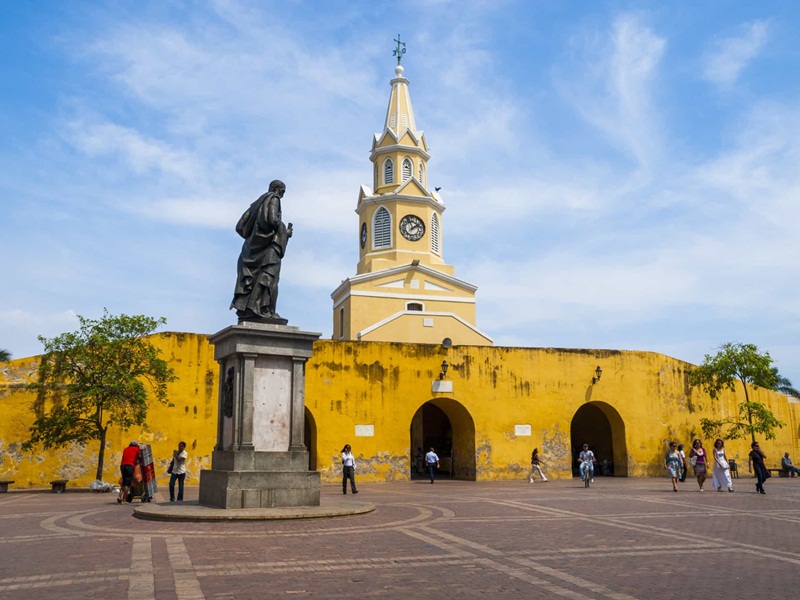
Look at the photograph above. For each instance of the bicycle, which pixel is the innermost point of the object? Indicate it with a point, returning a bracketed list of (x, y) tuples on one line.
[(587, 473)]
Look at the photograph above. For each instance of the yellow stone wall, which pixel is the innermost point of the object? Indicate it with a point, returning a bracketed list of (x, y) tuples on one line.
[(384, 384)]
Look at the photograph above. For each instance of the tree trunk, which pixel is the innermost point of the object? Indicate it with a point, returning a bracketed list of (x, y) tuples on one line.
[(101, 454), (749, 412)]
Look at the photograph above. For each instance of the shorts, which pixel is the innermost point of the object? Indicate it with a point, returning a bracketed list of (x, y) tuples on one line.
[(127, 475)]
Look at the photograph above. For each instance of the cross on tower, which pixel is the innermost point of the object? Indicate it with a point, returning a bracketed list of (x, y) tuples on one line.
[(400, 50)]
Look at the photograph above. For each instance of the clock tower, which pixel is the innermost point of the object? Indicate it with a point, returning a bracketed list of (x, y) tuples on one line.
[(403, 290)]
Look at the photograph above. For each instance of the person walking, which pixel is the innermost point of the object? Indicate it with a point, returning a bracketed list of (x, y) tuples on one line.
[(756, 463), (697, 458), (536, 466), (348, 469), (178, 473), (721, 474), (432, 460), (683, 463), (130, 456), (673, 464)]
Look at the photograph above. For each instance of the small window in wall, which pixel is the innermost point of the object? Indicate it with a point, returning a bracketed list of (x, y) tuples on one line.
[(415, 306), (421, 174), (435, 234), (408, 169), (376, 181), (381, 229), (388, 171), (341, 322)]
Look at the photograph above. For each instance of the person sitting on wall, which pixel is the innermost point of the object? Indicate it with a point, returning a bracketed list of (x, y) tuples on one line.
[(786, 465)]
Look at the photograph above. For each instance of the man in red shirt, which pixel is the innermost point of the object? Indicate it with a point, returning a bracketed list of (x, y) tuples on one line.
[(130, 456)]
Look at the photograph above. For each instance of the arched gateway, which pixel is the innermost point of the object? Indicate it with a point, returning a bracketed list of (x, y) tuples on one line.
[(599, 425), (448, 427)]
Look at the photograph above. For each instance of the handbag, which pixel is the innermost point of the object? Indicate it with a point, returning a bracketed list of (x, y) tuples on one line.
[(693, 460), (171, 466)]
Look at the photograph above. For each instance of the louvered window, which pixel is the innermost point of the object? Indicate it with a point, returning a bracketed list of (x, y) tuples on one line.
[(421, 174), (435, 234), (381, 229), (408, 169), (404, 119), (341, 323), (391, 121), (388, 171)]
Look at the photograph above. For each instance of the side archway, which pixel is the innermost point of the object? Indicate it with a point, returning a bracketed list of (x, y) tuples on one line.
[(310, 439), (447, 426), (599, 425)]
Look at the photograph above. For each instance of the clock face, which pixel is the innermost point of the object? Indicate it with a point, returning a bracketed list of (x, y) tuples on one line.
[(412, 227), (363, 235)]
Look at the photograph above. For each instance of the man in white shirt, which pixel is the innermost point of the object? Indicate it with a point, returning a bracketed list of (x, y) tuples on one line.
[(432, 460), (786, 465), (587, 463), (178, 474)]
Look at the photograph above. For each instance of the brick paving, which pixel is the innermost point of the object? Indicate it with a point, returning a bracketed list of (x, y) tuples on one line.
[(621, 539)]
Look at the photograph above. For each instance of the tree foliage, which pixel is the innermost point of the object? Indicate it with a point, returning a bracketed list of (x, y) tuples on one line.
[(5, 355), (746, 364), (99, 376), (783, 385)]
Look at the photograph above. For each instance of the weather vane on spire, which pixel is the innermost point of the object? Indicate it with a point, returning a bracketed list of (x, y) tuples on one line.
[(400, 50)]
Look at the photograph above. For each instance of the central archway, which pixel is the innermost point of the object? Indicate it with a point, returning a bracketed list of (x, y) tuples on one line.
[(448, 427), (599, 425)]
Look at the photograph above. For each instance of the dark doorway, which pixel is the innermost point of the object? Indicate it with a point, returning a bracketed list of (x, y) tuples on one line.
[(310, 439), (600, 426), (446, 426)]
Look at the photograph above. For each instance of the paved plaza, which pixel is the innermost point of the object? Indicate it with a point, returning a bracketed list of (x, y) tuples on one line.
[(623, 538)]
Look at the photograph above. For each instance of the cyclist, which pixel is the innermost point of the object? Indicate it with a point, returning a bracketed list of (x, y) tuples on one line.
[(587, 462)]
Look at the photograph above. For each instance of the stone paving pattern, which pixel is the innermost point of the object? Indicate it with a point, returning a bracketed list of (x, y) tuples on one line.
[(621, 539)]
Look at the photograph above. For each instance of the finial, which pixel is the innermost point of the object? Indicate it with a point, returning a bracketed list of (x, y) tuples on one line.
[(400, 50)]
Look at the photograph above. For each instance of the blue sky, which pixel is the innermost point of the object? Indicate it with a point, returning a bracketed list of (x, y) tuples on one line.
[(616, 174)]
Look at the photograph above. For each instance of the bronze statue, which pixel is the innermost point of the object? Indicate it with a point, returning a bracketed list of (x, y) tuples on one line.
[(259, 267)]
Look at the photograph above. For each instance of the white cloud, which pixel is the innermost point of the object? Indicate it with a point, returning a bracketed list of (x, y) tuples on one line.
[(729, 56), (140, 152), (616, 93)]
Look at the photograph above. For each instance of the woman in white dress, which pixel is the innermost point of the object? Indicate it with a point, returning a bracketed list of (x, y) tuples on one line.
[(722, 472)]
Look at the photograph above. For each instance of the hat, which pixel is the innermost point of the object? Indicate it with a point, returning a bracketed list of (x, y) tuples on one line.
[(134, 443)]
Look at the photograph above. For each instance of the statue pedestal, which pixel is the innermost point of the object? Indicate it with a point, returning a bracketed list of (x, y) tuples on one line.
[(260, 459)]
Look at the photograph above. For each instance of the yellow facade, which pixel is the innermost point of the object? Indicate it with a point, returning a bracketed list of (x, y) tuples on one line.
[(379, 398)]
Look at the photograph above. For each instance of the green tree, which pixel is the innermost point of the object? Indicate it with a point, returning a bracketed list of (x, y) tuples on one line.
[(96, 377), (5, 355), (738, 362), (783, 385)]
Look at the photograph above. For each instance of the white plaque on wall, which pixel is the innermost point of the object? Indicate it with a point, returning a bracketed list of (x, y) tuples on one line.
[(522, 430), (365, 430)]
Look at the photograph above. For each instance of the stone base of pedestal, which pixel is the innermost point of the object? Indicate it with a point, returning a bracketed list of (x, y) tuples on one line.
[(258, 489)]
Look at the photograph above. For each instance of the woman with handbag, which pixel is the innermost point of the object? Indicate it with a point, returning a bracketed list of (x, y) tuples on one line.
[(697, 458), (673, 464)]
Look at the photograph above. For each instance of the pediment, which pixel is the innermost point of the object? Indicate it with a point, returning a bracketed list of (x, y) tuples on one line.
[(412, 187)]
